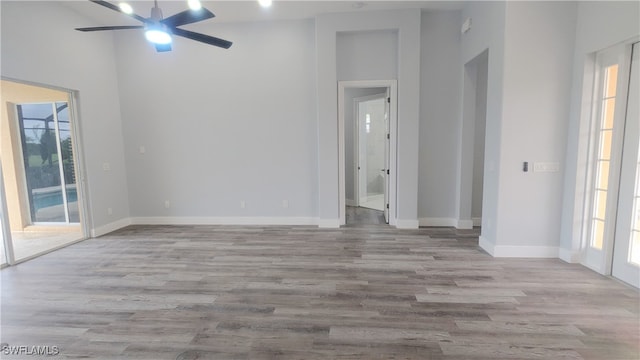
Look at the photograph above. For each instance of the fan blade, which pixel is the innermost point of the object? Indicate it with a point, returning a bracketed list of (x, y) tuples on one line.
[(187, 17), (202, 38), (116, 8), (163, 47), (102, 28)]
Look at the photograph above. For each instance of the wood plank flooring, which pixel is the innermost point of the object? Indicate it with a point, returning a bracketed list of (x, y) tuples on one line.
[(368, 292)]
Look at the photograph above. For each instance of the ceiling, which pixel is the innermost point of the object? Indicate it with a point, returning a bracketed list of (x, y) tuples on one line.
[(250, 10)]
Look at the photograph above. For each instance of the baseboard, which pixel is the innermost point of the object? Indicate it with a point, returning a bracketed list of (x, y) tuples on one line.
[(486, 245), (570, 256), (464, 224), (105, 229), (407, 224), (223, 220), (328, 223), (437, 222), (350, 202), (477, 221), (525, 251)]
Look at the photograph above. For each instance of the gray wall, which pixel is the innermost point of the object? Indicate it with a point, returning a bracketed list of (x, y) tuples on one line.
[(39, 45), (367, 55), (440, 102), (222, 126)]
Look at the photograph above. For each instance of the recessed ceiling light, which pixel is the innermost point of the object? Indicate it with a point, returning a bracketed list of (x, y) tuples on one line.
[(265, 3), (126, 8), (194, 5)]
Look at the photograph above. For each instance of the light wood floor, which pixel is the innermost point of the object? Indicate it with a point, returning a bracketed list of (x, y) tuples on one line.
[(370, 292)]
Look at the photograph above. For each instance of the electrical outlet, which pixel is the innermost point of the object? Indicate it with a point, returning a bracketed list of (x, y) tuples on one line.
[(109, 211), (242, 204), (142, 149), (106, 166), (285, 203), (167, 204)]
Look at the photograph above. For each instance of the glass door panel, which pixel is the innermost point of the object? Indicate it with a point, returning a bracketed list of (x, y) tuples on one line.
[(68, 167), (48, 161)]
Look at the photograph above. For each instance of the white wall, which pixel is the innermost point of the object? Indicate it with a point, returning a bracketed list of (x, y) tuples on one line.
[(407, 22), (527, 111), (440, 101), (535, 104), (599, 25), (222, 126), (367, 55), (487, 34), (40, 45)]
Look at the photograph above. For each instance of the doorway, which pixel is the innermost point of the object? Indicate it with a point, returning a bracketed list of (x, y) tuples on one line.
[(367, 124), (612, 226), (42, 193), (474, 119)]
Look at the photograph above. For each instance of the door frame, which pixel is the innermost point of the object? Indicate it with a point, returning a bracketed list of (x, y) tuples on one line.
[(392, 85), (75, 127)]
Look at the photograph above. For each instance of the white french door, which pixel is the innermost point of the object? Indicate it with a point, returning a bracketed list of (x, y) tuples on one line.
[(612, 215), (626, 248)]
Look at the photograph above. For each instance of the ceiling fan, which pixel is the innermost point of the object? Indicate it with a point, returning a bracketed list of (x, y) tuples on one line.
[(158, 30)]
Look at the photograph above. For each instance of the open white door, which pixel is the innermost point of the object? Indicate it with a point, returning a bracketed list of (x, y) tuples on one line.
[(387, 147), (626, 251)]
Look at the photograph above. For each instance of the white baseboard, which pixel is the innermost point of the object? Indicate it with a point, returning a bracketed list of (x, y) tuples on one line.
[(477, 221), (223, 220), (486, 245), (350, 202), (570, 256), (407, 224), (328, 223), (105, 229), (437, 222), (464, 224)]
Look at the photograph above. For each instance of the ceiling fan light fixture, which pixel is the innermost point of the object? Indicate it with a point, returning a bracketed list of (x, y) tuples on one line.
[(265, 3), (194, 5), (125, 8), (158, 35)]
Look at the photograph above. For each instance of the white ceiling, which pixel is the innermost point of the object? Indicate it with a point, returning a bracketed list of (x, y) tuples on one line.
[(249, 10)]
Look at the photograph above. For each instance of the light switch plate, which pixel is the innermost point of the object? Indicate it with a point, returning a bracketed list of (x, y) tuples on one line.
[(546, 167)]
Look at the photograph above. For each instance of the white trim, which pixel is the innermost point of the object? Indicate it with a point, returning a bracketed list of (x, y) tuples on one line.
[(105, 229), (570, 256), (407, 224), (329, 223), (477, 221), (393, 86), (511, 251), (464, 224), (449, 222), (222, 220), (486, 245)]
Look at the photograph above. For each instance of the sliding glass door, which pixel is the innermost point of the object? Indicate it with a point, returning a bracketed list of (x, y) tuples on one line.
[(48, 161)]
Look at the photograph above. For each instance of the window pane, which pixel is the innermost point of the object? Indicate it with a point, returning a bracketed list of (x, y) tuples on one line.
[(605, 144), (597, 234), (602, 179), (66, 148), (608, 112), (611, 80), (600, 204), (40, 151)]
